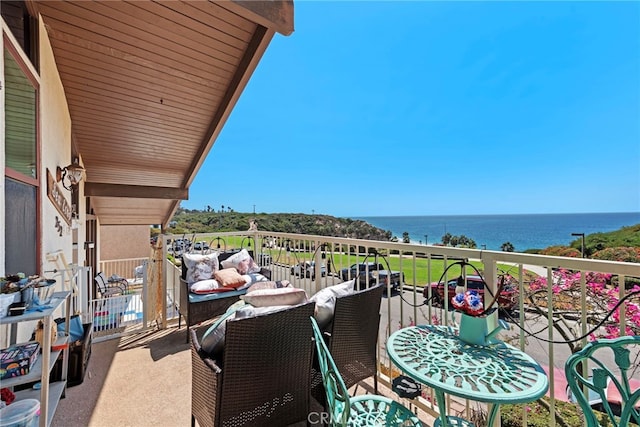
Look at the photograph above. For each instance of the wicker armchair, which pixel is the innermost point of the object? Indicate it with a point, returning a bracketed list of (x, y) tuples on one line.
[(352, 338), (265, 375)]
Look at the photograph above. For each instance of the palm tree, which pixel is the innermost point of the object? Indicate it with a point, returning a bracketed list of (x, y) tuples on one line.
[(507, 247), (446, 239)]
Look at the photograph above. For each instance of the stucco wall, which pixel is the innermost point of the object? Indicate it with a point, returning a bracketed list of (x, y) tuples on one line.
[(55, 137), (55, 150), (124, 241)]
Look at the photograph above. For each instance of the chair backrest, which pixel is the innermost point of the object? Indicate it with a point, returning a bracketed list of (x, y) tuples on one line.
[(353, 334), (266, 367), (337, 394), (101, 282), (610, 368)]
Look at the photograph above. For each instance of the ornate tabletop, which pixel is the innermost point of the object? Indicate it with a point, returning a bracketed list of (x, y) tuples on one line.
[(498, 374)]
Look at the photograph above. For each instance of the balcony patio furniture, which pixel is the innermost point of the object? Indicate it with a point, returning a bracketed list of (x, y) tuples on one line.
[(496, 374), (263, 377), (584, 387), (364, 410), (109, 286), (196, 308), (352, 338)]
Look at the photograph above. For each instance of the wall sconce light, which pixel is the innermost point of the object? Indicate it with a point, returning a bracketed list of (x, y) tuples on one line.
[(73, 173)]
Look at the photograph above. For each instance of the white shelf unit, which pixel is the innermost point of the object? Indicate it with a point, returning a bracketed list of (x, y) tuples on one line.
[(49, 394)]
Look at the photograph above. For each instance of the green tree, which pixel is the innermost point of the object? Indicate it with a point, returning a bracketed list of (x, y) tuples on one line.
[(466, 242), (507, 247), (446, 239)]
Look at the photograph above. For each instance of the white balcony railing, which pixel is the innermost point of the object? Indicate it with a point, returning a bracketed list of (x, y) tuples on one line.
[(129, 268), (422, 265)]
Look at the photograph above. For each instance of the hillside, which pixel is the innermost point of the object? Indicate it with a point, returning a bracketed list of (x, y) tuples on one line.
[(619, 245), (624, 237), (188, 222)]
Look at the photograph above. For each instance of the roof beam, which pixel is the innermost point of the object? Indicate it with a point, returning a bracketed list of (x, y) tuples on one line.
[(119, 220), (95, 189), (274, 14)]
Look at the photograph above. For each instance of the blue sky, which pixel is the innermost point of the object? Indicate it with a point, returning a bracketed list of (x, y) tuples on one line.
[(437, 108)]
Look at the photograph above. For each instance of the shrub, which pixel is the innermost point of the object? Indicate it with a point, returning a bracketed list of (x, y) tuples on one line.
[(538, 414), (561, 251), (623, 254)]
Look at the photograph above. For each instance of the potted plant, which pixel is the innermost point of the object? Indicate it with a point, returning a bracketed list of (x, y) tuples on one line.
[(478, 326)]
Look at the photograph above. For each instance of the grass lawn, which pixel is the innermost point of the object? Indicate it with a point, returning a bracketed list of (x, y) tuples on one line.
[(423, 272)]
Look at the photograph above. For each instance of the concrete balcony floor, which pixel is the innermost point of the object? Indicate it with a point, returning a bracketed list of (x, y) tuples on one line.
[(143, 380), (138, 380)]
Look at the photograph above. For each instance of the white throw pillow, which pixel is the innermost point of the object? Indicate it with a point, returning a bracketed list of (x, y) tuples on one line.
[(325, 300), (242, 262), (200, 267), (205, 286)]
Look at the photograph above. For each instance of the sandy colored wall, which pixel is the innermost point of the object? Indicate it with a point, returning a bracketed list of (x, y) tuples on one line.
[(55, 150), (124, 241)]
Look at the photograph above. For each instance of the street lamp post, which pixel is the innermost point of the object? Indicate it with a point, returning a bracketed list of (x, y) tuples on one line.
[(582, 246)]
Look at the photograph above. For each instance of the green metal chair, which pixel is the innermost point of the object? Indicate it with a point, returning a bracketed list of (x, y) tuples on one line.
[(366, 410), (604, 375)]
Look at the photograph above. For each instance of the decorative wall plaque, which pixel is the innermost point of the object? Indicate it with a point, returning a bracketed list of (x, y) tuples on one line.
[(57, 198)]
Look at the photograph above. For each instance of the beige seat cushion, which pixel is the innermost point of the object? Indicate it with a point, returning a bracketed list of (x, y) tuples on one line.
[(278, 296)]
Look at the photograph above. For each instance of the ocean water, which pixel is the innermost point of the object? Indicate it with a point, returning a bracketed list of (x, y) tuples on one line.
[(524, 231)]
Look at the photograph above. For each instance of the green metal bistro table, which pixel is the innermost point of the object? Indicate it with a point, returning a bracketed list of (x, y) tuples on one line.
[(495, 374)]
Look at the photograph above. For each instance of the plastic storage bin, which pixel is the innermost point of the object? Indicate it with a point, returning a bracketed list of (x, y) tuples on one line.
[(21, 413)]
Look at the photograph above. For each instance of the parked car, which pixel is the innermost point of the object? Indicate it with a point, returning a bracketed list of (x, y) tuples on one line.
[(371, 273), (181, 245), (308, 269), (507, 300), (383, 277), (201, 246), (361, 267)]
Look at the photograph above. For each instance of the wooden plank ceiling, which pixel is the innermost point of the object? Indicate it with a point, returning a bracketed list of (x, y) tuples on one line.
[(149, 86)]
